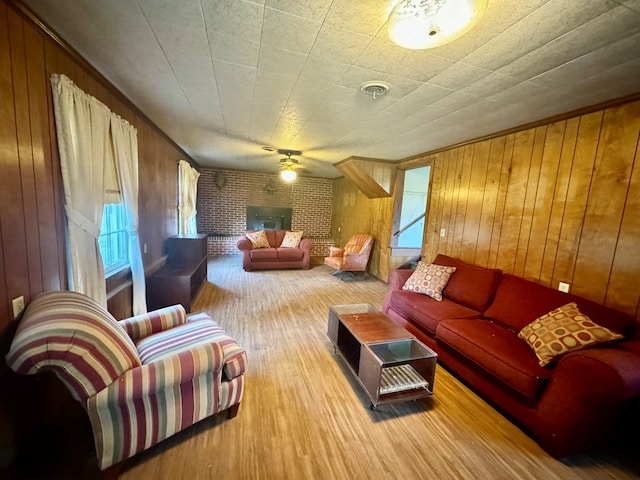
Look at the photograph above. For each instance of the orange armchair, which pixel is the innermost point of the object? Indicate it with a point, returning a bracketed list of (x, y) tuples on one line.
[(353, 257)]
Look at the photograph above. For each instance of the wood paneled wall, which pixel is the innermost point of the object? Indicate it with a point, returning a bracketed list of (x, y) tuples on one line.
[(32, 222), (556, 203), (32, 241)]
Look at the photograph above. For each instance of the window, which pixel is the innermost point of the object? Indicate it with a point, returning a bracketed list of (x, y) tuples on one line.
[(113, 240), (408, 228)]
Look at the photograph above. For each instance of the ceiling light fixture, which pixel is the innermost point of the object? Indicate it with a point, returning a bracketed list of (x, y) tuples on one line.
[(288, 174), (418, 24)]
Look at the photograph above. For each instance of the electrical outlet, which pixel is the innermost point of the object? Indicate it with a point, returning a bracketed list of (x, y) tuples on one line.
[(18, 306), (442, 232), (563, 287)]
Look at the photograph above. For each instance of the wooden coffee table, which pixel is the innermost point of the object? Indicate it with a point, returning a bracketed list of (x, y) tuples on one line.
[(389, 363)]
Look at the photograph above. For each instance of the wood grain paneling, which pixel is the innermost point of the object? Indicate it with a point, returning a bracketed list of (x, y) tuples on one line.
[(32, 220), (551, 203), (557, 202), (32, 216)]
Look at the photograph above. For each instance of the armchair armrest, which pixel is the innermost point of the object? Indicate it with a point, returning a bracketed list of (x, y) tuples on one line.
[(336, 252), (355, 261), (148, 323), (165, 372), (131, 414)]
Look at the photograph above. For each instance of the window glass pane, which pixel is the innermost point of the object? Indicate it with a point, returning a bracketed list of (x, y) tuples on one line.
[(113, 238), (414, 205)]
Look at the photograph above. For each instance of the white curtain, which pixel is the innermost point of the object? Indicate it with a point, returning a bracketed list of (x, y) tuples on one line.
[(188, 192), (125, 150), (82, 125)]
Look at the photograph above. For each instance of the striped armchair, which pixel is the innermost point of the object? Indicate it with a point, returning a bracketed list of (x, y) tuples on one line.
[(140, 380)]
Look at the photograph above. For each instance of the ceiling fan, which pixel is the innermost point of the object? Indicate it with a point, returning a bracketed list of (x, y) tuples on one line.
[(288, 164)]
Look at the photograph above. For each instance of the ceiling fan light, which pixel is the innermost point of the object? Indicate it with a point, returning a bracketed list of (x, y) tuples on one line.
[(288, 174), (420, 24)]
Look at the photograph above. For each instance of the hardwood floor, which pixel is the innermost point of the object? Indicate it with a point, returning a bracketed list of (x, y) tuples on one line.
[(304, 417)]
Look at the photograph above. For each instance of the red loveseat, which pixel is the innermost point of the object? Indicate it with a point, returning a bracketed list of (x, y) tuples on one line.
[(274, 257), (584, 399)]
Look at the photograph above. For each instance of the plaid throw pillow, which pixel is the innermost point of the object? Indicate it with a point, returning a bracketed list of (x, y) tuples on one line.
[(429, 279)]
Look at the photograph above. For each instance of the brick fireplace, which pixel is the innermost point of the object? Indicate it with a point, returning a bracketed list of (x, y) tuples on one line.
[(222, 212)]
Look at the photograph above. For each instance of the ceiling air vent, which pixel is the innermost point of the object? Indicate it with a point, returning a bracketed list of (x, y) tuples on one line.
[(375, 88)]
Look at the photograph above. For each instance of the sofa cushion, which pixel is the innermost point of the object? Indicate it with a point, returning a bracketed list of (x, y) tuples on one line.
[(496, 350), (563, 330), (275, 237), (518, 302), (427, 312), (471, 285), (291, 240), (196, 332), (258, 239), (290, 253), (264, 254), (429, 279)]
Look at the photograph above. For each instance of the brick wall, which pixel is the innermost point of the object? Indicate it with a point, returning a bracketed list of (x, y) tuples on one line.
[(223, 211)]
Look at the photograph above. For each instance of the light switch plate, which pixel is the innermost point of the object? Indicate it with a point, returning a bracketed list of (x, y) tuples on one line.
[(442, 232), (18, 306)]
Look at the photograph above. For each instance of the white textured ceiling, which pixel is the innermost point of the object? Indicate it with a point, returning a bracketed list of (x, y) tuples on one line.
[(224, 77)]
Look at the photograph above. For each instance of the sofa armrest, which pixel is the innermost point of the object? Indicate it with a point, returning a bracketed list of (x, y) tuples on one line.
[(149, 323), (587, 398), (336, 252), (306, 244), (244, 243), (621, 365), (398, 277)]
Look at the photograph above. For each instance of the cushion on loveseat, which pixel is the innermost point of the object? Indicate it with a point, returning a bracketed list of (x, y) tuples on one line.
[(518, 302), (470, 285), (290, 253), (498, 351), (427, 312), (264, 254)]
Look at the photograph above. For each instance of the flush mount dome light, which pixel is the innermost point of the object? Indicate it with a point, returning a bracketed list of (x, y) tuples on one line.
[(419, 24)]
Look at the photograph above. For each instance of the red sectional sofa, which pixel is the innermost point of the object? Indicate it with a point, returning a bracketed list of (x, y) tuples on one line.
[(587, 398), (274, 257)]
